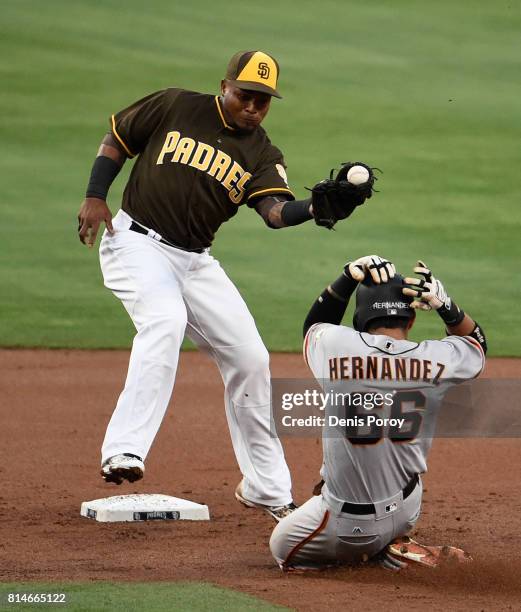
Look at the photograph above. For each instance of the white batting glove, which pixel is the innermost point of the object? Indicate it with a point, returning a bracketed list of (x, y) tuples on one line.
[(430, 294), (380, 269)]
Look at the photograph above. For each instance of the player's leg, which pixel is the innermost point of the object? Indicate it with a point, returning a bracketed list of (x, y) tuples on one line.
[(146, 280), (306, 539), (219, 322)]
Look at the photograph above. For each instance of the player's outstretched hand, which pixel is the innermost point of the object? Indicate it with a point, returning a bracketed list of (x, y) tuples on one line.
[(430, 294), (389, 562), (92, 212), (381, 270)]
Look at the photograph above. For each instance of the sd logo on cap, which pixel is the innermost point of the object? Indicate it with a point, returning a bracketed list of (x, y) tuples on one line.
[(255, 71)]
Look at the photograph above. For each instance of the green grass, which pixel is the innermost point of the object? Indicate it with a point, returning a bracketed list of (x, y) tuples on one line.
[(130, 597), (429, 92)]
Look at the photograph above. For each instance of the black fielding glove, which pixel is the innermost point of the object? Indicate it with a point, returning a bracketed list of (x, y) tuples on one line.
[(336, 198)]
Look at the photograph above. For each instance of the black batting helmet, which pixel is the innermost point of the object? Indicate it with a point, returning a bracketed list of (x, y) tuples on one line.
[(377, 301)]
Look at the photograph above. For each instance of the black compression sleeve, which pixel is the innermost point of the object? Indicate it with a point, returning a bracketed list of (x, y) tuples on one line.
[(295, 213), (331, 305), (343, 287), (104, 171)]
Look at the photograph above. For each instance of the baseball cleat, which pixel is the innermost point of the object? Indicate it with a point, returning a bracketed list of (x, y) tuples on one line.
[(123, 467), (408, 550), (276, 512)]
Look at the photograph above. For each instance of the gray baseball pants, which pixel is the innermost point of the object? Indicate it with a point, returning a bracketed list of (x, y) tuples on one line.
[(319, 534)]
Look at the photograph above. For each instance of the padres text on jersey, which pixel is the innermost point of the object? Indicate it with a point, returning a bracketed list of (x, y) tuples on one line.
[(193, 170), (204, 157)]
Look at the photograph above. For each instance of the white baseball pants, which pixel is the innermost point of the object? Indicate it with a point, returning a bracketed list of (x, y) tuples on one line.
[(169, 292)]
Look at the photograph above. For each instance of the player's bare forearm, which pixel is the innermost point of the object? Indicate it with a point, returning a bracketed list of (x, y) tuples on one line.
[(110, 148), (278, 212), (270, 210), (469, 327), (464, 328)]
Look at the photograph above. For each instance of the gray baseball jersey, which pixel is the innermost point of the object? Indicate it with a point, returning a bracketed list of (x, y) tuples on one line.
[(400, 381), (365, 463)]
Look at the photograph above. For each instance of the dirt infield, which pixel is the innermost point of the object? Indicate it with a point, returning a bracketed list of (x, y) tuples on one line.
[(55, 406)]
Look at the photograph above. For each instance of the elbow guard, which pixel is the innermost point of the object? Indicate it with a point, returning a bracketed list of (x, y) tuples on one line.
[(479, 335)]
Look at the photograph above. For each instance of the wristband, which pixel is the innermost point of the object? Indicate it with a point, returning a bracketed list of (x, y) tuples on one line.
[(295, 213), (450, 313), (104, 171)]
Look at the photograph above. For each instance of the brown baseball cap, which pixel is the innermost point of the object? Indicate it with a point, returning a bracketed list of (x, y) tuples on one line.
[(254, 70)]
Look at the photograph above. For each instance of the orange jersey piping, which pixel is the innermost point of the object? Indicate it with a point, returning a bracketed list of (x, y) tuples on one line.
[(270, 190), (120, 140), (221, 114)]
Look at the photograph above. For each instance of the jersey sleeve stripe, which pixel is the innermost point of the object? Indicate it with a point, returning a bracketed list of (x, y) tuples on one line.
[(120, 140), (271, 190), (475, 343), (305, 347)]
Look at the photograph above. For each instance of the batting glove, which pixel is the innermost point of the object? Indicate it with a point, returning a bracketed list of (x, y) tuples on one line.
[(380, 269), (430, 294), (390, 562)]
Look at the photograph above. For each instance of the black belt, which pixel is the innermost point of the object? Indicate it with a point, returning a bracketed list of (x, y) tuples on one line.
[(369, 508), (135, 227)]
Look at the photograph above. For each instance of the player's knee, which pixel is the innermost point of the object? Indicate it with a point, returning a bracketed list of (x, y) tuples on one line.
[(174, 325), (167, 329), (247, 376), (278, 545), (254, 360)]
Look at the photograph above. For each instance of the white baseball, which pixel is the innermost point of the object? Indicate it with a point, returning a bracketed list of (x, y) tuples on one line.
[(357, 175)]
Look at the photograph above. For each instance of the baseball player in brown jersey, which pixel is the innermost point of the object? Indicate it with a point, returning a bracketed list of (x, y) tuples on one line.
[(199, 157), (372, 489)]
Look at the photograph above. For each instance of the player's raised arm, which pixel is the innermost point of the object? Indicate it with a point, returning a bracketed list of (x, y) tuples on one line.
[(331, 304), (430, 294), (331, 199), (94, 208)]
